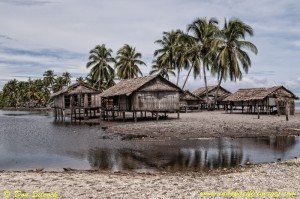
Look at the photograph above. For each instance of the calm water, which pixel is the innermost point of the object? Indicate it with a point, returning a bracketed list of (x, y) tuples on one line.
[(31, 140), (297, 106)]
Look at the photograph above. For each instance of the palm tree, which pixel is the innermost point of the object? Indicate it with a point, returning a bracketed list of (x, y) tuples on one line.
[(229, 47), (170, 54), (66, 78), (100, 59), (203, 33), (80, 80), (128, 61), (163, 69), (192, 59), (59, 84), (49, 78)]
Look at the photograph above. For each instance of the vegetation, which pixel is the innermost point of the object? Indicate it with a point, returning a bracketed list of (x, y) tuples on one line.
[(101, 72), (32, 93), (127, 62), (203, 48)]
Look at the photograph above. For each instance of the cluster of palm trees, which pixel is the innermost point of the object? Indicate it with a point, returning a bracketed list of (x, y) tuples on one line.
[(202, 48), (102, 73), (32, 92), (205, 47)]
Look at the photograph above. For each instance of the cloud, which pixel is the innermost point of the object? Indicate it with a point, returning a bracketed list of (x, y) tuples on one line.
[(58, 35), (5, 37), (26, 2)]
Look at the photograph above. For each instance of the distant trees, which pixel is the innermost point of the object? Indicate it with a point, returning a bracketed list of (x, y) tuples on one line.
[(33, 92)]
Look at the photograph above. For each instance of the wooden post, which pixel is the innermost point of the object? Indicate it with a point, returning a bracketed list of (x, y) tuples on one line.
[(55, 114), (278, 109), (178, 114), (135, 116), (287, 110), (156, 115), (257, 109), (242, 107), (113, 115), (123, 116), (145, 113)]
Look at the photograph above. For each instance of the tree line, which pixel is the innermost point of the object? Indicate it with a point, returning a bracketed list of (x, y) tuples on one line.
[(203, 47)]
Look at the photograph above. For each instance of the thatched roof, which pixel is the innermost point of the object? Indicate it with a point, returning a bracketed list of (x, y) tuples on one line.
[(128, 86), (202, 90), (187, 95), (252, 94), (77, 88)]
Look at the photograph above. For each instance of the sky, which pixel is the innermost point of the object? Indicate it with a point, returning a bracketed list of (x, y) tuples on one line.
[(40, 35)]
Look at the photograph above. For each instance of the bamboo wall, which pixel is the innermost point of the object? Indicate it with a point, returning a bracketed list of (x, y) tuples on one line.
[(156, 101)]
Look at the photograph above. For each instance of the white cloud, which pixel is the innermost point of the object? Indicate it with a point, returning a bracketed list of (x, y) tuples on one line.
[(77, 26)]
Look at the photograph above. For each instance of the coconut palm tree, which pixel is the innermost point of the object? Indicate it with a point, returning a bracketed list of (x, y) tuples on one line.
[(49, 78), (203, 32), (163, 69), (100, 59), (66, 78), (171, 53), (230, 47), (59, 84), (80, 80), (128, 61)]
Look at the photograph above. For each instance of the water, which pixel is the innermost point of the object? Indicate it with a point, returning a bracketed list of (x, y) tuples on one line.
[(31, 140), (297, 106)]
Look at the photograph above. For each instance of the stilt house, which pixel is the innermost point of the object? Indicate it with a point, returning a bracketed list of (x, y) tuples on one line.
[(78, 100), (152, 94), (263, 100), (190, 101), (222, 94)]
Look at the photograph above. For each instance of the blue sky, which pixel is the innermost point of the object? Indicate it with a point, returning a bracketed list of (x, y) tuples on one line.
[(37, 35)]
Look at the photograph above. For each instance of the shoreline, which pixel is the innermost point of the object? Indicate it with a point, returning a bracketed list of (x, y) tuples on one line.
[(206, 124), (280, 177)]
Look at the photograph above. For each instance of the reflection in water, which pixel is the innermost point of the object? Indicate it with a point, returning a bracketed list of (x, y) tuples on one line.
[(220, 153), (30, 140)]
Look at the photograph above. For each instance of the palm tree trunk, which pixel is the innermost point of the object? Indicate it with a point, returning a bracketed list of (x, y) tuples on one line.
[(178, 73), (206, 88), (187, 77), (218, 88), (99, 78)]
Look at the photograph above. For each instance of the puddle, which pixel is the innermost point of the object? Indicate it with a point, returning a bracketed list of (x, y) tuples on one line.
[(30, 141)]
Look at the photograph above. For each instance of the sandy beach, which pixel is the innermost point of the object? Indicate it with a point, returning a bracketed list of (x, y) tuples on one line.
[(274, 178), (208, 124)]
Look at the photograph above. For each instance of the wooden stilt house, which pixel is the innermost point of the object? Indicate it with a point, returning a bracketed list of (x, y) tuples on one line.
[(222, 94), (266, 100), (77, 100), (152, 94), (190, 101)]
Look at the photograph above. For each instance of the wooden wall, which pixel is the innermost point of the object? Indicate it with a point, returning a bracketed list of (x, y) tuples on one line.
[(93, 101), (156, 101)]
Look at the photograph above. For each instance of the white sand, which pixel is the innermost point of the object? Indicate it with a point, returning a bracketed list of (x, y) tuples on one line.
[(275, 177)]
